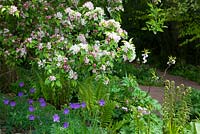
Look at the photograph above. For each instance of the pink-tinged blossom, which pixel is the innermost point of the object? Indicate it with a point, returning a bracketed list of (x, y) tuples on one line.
[(12, 10), (40, 46), (26, 5), (82, 39), (86, 60), (68, 10), (52, 78), (94, 71), (89, 5), (114, 36)]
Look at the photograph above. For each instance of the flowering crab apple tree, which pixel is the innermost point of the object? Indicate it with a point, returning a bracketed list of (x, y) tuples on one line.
[(75, 43)]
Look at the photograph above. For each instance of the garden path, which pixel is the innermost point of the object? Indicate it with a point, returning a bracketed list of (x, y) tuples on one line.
[(157, 92)]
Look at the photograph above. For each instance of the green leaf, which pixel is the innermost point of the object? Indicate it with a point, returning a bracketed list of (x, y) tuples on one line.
[(58, 84), (47, 81), (3, 9)]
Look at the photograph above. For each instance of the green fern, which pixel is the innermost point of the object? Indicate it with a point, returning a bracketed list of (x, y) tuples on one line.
[(107, 113)]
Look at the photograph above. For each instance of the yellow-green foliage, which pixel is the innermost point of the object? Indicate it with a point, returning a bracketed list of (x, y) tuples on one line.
[(175, 107)]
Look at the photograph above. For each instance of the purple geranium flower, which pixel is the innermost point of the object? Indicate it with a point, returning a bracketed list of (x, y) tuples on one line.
[(41, 100), (30, 101), (21, 84), (56, 118), (43, 104), (101, 102), (12, 103), (32, 90), (31, 117), (83, 104), (20, 94), (31, 108), (66, 125), (66, 111), (6, 101), (74, 105)]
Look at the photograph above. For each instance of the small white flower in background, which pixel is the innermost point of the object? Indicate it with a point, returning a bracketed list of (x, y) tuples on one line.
[(125, 109), (41, 34), (143, 110), (83, 22), (73, 75), (5, 30), (89, 5), (103, 67), (12, 10), (68, 10), (106, 81), (125, 57), (75, 49), (172, 60), (127, 46), (52, 78), (145, 55), (23, 52), (48, 45), (59, 58), (99, 10), (96, 47), (59, 15), (40, 46), (94, 71), (84, 46), (7, 53), (58, 64), (29, 40), (41, 63)]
